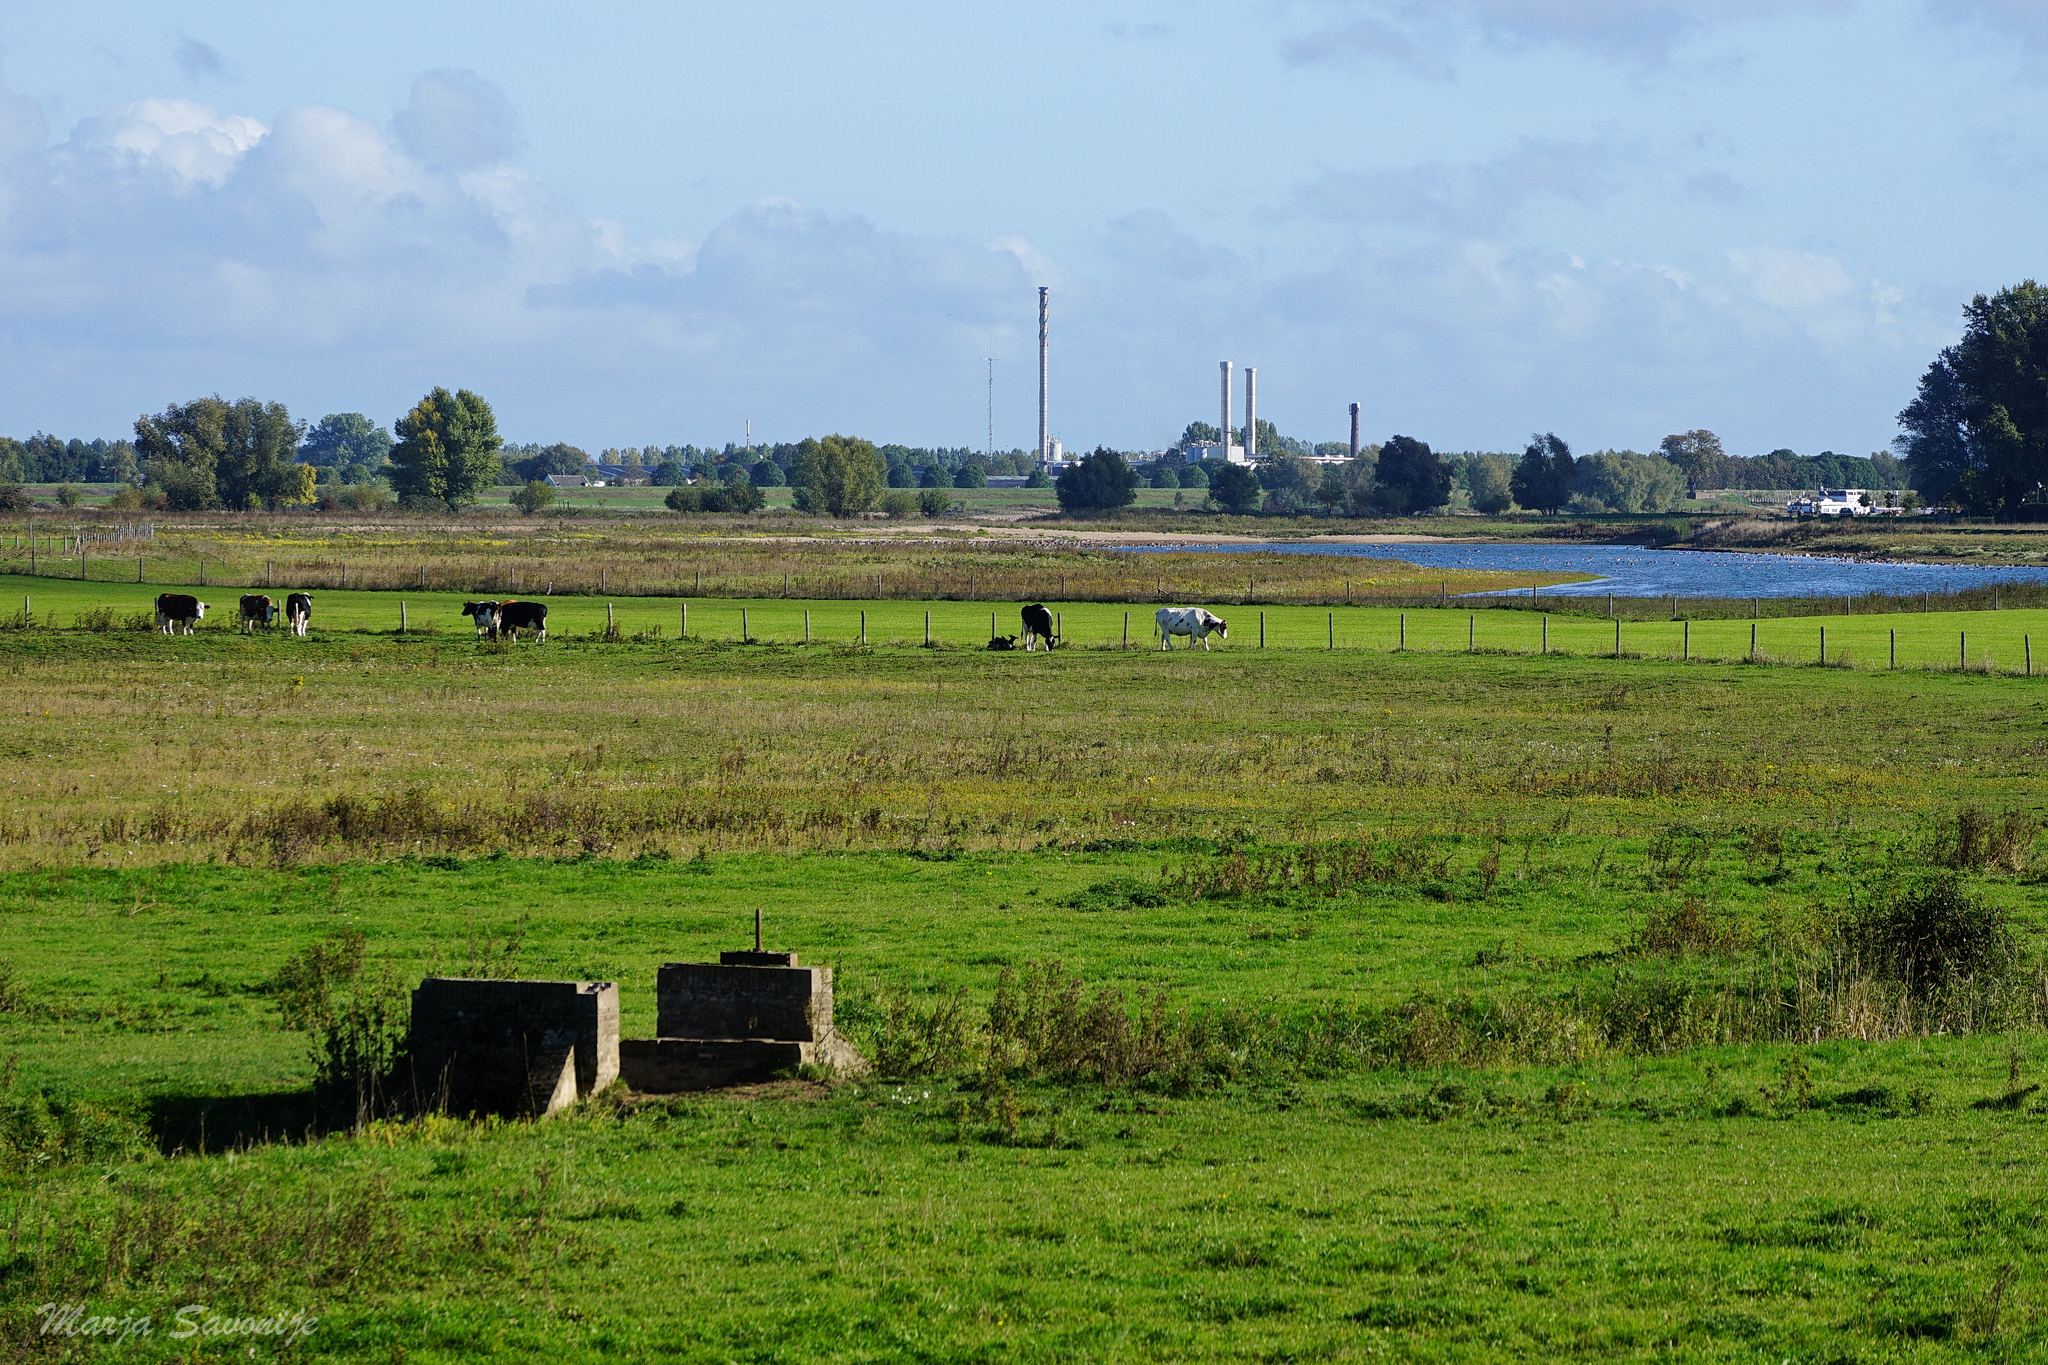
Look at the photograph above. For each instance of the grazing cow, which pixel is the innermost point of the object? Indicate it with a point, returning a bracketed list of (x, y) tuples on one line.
[(298, 613), (257, 610), (1196, 623), (175, 610), (1003, 642), (485, 614), (1037, 626), (514, 617)]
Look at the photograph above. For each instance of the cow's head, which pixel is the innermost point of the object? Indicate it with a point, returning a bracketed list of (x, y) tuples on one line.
[(1219, 627), (198, 610)]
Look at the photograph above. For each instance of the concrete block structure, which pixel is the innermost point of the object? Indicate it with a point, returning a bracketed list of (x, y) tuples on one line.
[(746, 1017), (516, 1048)]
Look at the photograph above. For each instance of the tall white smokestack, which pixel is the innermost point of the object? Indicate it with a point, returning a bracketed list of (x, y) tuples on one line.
[(1226, 411), (1044, 448), (1251, 412)]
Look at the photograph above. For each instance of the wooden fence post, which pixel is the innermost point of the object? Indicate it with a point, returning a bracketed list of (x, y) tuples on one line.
[(807, 625), (1686, 654), (1546, 632), (1823, 646), (401, 616), (1752, 642), (611, 625), (1127, 627), (685, 631), (1895, 647), (1617, 634), (1404, 630), (863, 627), (1471, 632), (744, 634), (1963, 650), (927, 630), (1262, 630)]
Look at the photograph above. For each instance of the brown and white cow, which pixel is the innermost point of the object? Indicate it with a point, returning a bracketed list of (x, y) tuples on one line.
[(257, 610), (176, 610)]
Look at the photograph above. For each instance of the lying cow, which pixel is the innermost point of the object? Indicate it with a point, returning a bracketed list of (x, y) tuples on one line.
[(257, 610), (514, 617), (1196, 623), (298, 613), (1037, 626), (175, 610), (485, 615), (1002, 642)]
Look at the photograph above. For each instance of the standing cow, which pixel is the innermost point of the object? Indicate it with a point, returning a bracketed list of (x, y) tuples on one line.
[(257, 610), (298, 613), (514, 617), (1196, 623), (177, 611), (485, 615), (1037, 626)]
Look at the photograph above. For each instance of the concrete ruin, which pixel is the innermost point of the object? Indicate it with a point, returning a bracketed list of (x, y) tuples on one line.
[(748, 1017), (514, 1048)]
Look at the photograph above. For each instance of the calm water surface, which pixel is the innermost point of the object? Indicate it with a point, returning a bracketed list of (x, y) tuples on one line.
[(1630, 571)]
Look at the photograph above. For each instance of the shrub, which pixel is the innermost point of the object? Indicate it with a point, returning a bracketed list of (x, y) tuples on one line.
[(900, 503), (1931, 936), (15, 498), (933, 502), (685, 498), (971, 476), (69, 495), (537, 496), (127, 498)]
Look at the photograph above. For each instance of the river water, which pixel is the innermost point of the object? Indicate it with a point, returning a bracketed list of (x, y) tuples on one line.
[(1631, 571)]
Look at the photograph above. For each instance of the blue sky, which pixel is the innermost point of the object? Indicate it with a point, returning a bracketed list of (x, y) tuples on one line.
[(634, 223)]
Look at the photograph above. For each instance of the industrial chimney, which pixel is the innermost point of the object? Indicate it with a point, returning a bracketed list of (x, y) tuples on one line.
[(1354, 431), (1044, 449), (1251, 412), (1226, 410)]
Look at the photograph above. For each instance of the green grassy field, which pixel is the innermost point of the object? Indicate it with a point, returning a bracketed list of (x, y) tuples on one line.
[(1515, 1006)]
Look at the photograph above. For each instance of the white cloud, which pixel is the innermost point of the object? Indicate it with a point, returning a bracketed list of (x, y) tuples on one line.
[(1423, 33), (1474, 197), (184, 141)]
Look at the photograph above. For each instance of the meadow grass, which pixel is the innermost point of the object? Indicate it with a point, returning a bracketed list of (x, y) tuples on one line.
[(1527, 1006)]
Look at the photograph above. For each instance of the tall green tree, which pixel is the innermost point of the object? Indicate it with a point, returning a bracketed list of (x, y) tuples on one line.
[(1411, 477), (1698, 456), (1543, 476), (1487, 479), (447, 451), (840, 476), (213, 453), (1977, 431), (1101, 480), (1236, 488), (343, 438)]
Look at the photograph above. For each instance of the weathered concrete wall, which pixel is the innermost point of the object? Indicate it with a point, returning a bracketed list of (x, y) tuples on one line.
[(717, 1000), (502, 1047)]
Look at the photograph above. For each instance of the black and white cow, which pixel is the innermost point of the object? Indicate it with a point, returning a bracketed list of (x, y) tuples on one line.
[(298, 613), (1196, 623), (1002, 642), (177, 610), (485, 615), (514, 617), (257, 610), (1037, 626)]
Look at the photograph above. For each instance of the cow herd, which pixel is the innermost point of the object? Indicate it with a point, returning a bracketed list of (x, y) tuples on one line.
[(177, 613)]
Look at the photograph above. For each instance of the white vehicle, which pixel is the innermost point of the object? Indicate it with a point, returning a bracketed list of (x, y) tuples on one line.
[(1833, 502)]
